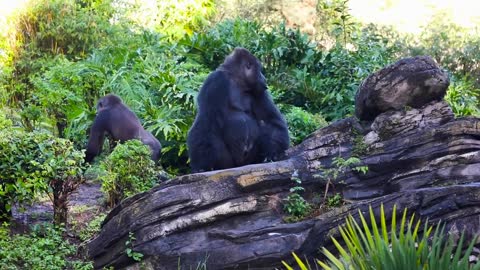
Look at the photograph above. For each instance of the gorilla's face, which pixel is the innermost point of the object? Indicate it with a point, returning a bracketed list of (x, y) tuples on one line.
[(254, 76), (252, 71), (246, 69)]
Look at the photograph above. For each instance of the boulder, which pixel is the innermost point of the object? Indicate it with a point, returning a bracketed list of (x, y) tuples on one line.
[(410, 82)]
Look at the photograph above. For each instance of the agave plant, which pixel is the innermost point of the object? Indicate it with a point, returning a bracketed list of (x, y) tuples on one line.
[(369, 246)]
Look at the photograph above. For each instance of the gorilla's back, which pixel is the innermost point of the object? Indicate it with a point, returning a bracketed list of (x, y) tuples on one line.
[(124, 123)]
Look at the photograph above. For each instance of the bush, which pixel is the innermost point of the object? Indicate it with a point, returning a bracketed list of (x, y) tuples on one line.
[(463, 97), (294, 204), (43, 248), (92, 228), (454, 47), (128, 171), (32, 163), (302, 123), (372, 246), (44, 30), (179, 18), (4, 121)]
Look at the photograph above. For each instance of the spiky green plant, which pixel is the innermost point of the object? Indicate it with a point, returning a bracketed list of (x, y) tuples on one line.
[(369, 246)]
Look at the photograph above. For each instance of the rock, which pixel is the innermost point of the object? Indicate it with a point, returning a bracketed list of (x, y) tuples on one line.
[(401, 122), (411, 82), (234, 219)]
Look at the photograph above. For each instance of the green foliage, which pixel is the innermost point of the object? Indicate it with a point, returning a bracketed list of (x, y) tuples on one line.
[(454, 47), (338, 20), (373, 247), (137, 256), (463, 97), (128, 171), (34, 162), (4, 121), (360, 148), (295, 205), (370, 246), (179, 18), (335, 200), (339, 166), (92, 227), (302, 123), (44, 30), (43, 248), (60, 95)]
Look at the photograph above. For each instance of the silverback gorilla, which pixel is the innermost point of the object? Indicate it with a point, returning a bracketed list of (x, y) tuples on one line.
[(237, 122), (116, 119)]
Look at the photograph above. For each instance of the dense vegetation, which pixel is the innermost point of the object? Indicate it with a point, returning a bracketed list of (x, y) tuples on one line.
[(58, 57)]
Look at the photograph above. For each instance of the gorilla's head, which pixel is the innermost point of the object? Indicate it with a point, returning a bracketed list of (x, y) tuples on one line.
[(107, 102), (246, 70)]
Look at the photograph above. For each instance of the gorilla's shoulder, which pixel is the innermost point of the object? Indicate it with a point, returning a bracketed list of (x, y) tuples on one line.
[(218, 77)]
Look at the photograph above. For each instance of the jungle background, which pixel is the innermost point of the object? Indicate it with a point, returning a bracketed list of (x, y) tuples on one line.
[(57, 57)]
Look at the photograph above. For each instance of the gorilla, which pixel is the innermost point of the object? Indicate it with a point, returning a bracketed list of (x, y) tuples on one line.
[(116, 119), (237, 122)]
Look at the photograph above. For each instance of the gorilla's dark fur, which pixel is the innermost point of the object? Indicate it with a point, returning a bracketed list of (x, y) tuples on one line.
[(116, 119), (237, 122)]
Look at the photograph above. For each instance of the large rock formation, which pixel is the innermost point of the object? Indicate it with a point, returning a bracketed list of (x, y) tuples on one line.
[(409, 82), (420, 158)]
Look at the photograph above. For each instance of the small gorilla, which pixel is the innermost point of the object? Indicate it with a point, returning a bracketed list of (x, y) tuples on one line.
[(116, 119), (237, 122)]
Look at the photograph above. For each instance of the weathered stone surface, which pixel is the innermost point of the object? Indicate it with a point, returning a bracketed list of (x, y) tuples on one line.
[(423, 159), (402, 122), (411, 82)]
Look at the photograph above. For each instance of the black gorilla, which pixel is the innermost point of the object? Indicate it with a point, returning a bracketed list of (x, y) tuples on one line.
[(116, 119), (237, 122)]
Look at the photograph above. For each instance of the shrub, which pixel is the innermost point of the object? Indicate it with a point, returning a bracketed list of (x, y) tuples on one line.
[(128, 170), (92, 227), (179, 18), (34, 162), (372, 246), (454, 47), (43, 248), (44, 30), (4, 121), (302, 123), (295, 205), (463, 97)]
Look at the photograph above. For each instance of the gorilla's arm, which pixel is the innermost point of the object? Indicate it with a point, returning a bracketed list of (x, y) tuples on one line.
[(97, 136), (148, 139), (241, 129), (206, 146), (206, 149), (274, 139)]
